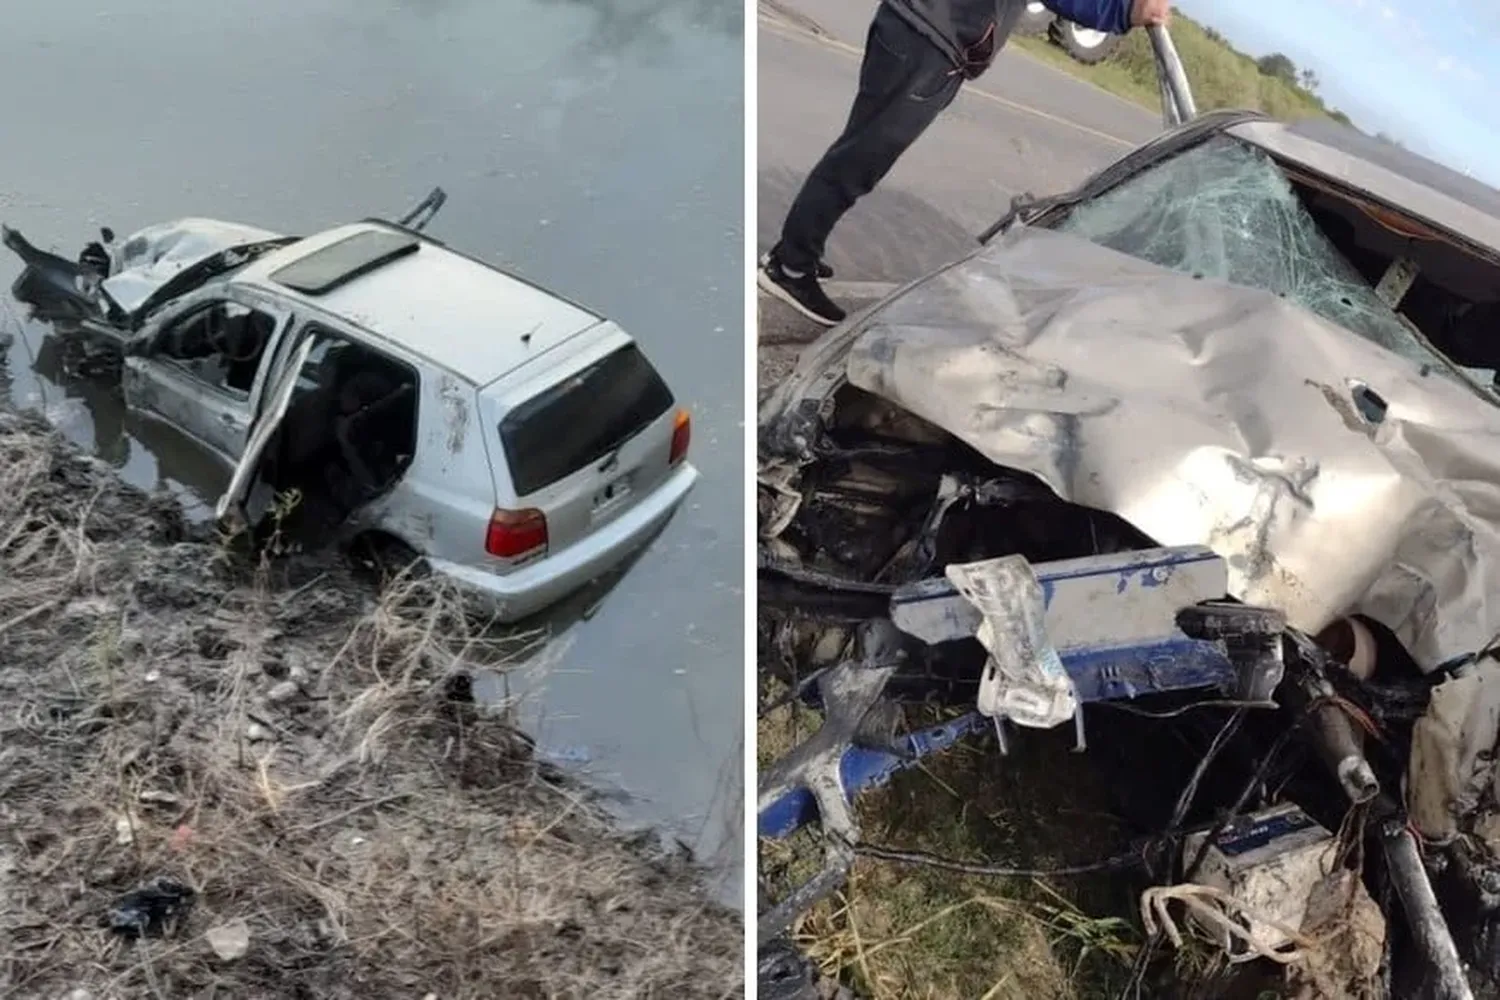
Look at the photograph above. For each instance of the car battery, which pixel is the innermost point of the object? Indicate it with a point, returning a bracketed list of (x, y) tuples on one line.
[(1272, 861)]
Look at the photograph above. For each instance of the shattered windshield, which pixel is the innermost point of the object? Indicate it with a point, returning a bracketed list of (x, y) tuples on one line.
[(1225, 210)]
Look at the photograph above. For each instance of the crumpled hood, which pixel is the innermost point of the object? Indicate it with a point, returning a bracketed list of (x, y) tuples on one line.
[(1204, 413), (148, 259)]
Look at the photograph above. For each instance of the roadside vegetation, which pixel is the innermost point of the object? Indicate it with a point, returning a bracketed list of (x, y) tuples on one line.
[(895, 931), (1221, 75), (228, 778)]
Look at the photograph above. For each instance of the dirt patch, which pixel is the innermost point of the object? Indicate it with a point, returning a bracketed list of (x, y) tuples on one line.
[(300, 765)]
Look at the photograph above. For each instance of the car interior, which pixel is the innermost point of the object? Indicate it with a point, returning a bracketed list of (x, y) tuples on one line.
[(221, 344), (348, 436)]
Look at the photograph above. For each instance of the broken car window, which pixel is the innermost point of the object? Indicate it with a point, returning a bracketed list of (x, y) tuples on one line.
[(221, 344), (1225, 210)]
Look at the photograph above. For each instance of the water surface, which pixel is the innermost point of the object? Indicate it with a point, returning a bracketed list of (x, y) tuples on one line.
[(594, 147)]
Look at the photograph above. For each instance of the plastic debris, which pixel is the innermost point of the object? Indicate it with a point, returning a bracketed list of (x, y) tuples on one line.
[(146, 911), (283, 692), (1024, 681), (229, 941)]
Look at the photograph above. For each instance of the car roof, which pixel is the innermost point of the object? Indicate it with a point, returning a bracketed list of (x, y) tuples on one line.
[(459, 313), (1436, 194)]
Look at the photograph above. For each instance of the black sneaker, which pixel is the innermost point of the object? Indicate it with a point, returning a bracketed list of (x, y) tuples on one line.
[(824, 272), (802, 293)]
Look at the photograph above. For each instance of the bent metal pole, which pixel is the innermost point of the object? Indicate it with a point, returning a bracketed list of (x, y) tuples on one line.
[(1177, 106), (1428, 928)]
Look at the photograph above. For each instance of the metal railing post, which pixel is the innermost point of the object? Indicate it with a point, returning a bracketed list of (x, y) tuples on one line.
[(1177, 107)]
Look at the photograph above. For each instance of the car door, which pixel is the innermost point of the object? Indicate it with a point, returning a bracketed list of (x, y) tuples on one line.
[(235, 507), (197, 395)]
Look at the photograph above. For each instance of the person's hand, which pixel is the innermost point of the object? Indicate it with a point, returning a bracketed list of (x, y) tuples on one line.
[(1145, 13)]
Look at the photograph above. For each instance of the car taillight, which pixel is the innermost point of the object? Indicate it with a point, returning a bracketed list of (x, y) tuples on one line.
[(682, 436), (516, 532)]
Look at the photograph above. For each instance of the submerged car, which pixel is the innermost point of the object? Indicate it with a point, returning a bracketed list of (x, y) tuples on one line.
[(1217, 430), (416, 402)]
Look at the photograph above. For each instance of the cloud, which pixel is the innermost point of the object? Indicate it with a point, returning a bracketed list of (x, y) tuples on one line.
[(1449, 66)]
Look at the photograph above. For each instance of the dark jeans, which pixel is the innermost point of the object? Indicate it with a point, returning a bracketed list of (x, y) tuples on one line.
[(904, 84)]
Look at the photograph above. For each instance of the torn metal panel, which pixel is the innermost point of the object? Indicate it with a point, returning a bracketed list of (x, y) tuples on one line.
[(815, 767), (144, 263), (1219, 415), (1167, 641), (862, 768), (1124, 625)]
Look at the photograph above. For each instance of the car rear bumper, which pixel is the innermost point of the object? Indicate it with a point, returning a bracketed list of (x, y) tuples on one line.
[(530, 589)]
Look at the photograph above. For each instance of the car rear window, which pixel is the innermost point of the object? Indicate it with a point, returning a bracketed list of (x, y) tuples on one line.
[(564, 428)]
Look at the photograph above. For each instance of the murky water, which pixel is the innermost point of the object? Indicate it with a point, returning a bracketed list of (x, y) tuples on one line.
[(595, 147)]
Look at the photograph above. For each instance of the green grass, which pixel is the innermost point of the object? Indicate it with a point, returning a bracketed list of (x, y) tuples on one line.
[(898, 931), (1221, 76)]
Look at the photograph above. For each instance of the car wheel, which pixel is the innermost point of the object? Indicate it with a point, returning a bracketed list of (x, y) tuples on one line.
[(1084, 44), (1035, 19)]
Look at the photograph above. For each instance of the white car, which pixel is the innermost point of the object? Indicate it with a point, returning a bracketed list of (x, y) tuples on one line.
[(416, 401)]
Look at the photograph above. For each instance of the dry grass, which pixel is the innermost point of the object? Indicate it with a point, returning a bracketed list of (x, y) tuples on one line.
[(378, 833), (896, 932)]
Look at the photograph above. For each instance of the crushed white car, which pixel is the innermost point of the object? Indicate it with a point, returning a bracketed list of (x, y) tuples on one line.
[(418, 403), (1219, 430)]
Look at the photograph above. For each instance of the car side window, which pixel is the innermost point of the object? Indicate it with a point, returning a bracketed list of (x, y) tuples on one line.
[(221, 344)]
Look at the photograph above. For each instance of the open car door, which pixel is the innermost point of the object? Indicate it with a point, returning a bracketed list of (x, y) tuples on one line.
[(233, 508)]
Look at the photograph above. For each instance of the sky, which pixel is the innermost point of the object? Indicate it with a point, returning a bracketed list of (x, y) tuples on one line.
[(1425, 73)]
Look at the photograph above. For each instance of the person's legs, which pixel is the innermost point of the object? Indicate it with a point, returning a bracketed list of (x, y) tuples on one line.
[(904, 83)]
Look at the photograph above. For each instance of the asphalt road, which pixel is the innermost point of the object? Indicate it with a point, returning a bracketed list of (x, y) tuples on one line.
[(1022, 127)]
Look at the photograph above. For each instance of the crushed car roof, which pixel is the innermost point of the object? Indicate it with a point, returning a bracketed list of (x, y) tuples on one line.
[(152, 257), (460, 313), (1387, 172)]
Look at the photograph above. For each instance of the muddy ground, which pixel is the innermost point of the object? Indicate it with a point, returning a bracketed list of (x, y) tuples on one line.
[(294, 759)]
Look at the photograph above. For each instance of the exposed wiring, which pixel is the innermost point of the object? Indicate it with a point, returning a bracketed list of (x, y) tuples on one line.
[(1143, 957), (1172, 713), (1190, 790), (1361, 717), (1118, 862)]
